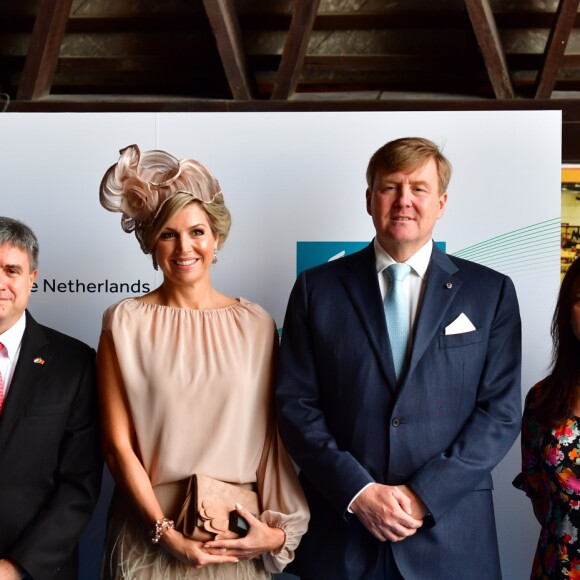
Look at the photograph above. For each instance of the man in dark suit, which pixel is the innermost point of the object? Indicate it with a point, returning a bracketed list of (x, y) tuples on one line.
[(50, 465), (396, 460)]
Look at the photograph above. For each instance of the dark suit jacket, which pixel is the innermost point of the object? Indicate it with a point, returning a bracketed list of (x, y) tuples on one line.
[(451, 420), (50, 465)]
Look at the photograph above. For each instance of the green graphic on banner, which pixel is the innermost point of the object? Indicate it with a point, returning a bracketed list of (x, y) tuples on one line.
[(525, 250)]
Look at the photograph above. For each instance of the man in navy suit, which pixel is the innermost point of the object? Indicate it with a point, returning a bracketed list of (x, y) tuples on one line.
[(397, 468), (50, 464)]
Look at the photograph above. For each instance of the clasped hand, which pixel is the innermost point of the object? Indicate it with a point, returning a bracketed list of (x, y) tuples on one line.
[(390, 513), (259, 539)]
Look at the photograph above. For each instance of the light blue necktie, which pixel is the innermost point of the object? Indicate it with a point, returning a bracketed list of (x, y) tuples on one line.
[(397, 313)]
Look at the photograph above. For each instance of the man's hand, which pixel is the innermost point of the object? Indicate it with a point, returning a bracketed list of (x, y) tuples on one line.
[(418, 508), (388, 513), (8, 571)]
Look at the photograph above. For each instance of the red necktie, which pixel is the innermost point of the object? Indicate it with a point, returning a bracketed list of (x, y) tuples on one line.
[(1, 383)]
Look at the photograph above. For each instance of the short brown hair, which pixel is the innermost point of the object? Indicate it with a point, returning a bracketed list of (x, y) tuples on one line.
[(20, 235), (409, 153)]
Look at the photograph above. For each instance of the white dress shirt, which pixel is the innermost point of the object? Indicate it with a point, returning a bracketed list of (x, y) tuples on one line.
[(12, 340)]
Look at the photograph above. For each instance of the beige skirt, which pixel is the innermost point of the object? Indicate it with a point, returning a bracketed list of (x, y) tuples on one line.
[(130, 555)]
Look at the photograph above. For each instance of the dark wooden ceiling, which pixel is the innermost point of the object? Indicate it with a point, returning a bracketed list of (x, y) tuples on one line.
[(175, 55)]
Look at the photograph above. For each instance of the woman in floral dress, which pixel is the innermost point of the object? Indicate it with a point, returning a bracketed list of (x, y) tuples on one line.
[(551, 443)]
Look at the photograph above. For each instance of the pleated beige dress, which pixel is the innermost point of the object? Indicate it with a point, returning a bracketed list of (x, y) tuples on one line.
[(199, 385)]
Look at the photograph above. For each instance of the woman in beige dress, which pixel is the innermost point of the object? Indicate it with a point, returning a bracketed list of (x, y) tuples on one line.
[(186, 386)]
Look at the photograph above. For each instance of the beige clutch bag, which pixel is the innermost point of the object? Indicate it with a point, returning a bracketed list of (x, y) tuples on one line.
[(208, 511)]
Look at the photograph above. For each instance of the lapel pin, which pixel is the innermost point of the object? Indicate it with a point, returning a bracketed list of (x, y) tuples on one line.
[(448, 285), (39, 360)]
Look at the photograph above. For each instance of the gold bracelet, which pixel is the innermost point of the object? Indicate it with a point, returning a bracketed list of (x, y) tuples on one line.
[(161, 526)]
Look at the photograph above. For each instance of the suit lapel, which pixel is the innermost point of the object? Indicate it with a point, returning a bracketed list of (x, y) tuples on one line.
[(27, 375), (361, 283), (441, 287)]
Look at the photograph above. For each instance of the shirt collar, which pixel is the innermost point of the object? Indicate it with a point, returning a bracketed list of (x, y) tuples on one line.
[(419, 261), (12, 337)]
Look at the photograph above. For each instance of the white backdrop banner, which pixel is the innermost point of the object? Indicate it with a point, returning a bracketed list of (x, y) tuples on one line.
[(290, 178)]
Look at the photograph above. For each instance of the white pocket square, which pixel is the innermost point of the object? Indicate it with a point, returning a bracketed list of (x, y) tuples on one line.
[(460, 325)]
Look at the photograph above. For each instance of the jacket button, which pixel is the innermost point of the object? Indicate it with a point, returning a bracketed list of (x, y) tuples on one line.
[(396, 422)]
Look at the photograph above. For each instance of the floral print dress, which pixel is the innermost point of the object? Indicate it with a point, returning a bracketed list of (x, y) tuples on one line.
[(551, 473)]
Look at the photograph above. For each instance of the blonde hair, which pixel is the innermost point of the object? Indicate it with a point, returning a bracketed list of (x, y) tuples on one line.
[(218, 216)]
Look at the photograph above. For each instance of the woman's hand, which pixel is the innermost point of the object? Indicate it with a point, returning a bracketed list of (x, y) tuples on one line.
[(191, 551), (259, 539)]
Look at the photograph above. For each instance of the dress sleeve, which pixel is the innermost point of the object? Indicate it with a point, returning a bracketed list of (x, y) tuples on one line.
[(531, 479), (283, 501)]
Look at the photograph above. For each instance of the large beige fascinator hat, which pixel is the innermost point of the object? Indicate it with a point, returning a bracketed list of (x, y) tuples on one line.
[(140, 183)]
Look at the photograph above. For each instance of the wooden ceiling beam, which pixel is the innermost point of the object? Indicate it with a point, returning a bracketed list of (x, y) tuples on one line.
[(485, 29), (295, 49), (228, 35), (159, 103), (43, 49), (280, 21), (555, 47)]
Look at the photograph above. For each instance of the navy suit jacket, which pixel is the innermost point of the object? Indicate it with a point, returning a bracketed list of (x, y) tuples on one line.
[(441, 431), (50, 464)]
